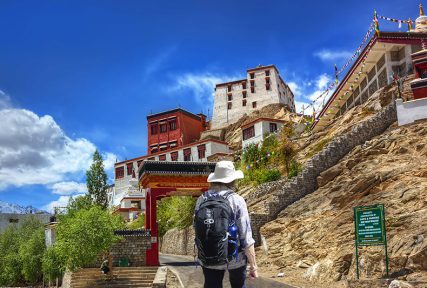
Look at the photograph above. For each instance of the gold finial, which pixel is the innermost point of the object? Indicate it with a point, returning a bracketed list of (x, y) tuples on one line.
[(421, 10)]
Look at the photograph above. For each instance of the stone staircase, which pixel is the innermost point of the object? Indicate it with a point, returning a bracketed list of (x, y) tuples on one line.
[(122, 277), (271, 198)]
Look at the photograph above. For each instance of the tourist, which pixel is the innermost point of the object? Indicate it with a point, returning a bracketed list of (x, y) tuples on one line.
[(218, 210)]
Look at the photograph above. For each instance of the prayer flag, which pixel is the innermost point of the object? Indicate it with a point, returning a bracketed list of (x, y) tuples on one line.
[(377, 26)]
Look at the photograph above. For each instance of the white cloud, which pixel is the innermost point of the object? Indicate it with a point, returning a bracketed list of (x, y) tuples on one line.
[(5, 101), (321, 84), (201, 85), (69, 188), (327, 55), (60, 203), (35, 150), (306, 91)]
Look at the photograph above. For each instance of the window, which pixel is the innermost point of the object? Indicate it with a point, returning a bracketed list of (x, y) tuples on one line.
[(267, 86), (173, 144), (243, 85), (138, 163), (230, 97), (267, 72), (151, 159), (135, 204), (172, 125), (129, 168), (252, 83), (163, 128), (162, 157), (244, 94), (154, 150), (267, 80), (153, 129), (252, 75), (273, 127), (244, 102), (120, 172), (248, 133), (174, 156), (229, 88), (252, 89), (254, 104), (187, 154), (229, 105), (201, 149), (163, 147)]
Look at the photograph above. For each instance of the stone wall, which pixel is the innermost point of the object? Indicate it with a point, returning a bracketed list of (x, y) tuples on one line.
[(178, 241), (130, 247), (282, 193)]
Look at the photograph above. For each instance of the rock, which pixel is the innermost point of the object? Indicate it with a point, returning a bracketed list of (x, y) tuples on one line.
[(281, 274), (329, 175), (399, 284), (304, 264)]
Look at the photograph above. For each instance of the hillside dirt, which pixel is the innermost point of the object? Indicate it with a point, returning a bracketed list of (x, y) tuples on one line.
[(312, 240)]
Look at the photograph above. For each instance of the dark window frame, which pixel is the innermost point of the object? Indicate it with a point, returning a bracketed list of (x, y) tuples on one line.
[(248, 133)]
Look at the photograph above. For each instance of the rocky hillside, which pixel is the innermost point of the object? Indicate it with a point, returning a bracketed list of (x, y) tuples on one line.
[(312, 240)]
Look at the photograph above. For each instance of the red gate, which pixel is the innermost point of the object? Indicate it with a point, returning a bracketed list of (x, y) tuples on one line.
[(163, 179)]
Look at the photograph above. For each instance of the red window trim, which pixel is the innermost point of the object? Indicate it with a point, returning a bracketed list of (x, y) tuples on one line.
[(120, 172)]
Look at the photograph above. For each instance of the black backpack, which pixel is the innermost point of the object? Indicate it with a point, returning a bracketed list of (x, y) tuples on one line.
[(211, 222)]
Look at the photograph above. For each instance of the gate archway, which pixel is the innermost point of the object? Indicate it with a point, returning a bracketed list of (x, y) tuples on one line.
[(162, 179)]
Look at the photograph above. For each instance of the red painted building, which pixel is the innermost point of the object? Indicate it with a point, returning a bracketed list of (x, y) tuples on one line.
[(174, 128)]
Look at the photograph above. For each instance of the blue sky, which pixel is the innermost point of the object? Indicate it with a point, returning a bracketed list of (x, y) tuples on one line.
[(81, 75)]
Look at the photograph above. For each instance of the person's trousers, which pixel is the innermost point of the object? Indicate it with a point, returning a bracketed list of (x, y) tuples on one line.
[(213, 277)]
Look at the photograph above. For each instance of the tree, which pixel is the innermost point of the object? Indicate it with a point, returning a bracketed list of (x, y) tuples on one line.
[(82, 236), (96, 181), (21, 253)]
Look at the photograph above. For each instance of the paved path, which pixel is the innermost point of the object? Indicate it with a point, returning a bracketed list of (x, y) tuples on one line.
[(192, 276)]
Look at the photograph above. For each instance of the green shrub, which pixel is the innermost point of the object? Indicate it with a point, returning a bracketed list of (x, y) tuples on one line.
[(83, 235), (265, 175), (251, 154), (294, 169), (52, 264), (175, 212), (21, 252), (31, 253), (138, 223)]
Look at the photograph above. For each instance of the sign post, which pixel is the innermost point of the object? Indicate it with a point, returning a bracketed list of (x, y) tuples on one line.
[(369, 224)]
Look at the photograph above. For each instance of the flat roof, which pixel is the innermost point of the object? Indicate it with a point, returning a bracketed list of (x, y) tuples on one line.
[(248, 71), (197, 116)]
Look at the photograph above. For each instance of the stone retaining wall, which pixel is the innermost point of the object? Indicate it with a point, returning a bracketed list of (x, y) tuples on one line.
[(283, 192), (130, 247), (178, 241)]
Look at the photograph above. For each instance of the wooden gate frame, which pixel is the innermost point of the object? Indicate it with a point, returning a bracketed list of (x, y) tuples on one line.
[(163, 179)]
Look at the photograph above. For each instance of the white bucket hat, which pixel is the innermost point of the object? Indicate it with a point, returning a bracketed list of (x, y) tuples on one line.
[(225, 173)]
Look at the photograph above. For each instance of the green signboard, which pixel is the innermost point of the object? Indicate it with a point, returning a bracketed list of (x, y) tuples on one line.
[(369, 224), (370, 228)]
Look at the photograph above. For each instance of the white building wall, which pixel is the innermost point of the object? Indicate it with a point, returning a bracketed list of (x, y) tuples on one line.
[(261, 128), (222, 116), (410, 111)]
